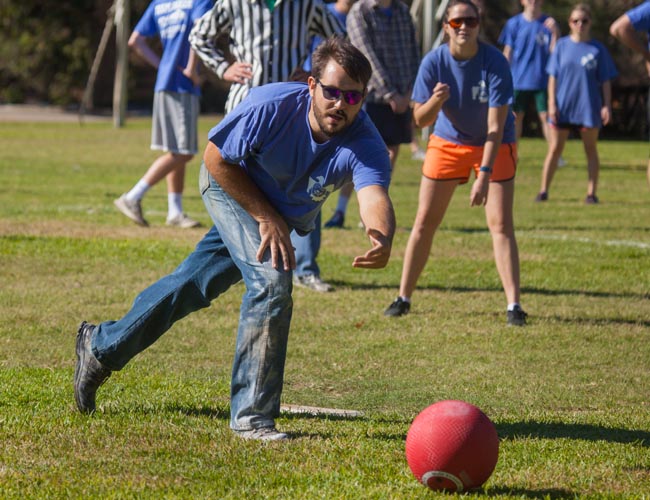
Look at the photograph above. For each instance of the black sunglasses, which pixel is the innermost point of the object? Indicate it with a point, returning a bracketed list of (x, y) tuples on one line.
[(351, 97), (470, 22)]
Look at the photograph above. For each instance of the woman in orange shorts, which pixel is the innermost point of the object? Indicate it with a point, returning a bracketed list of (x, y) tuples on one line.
[(465, 88)]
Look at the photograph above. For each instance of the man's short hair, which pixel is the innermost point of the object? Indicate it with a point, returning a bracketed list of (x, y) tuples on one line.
[(345, 54)]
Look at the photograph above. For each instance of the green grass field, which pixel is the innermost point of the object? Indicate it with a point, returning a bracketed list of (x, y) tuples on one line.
[(569, 394)]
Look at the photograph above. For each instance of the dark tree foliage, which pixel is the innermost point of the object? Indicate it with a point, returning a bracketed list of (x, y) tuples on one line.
[(47, 48)]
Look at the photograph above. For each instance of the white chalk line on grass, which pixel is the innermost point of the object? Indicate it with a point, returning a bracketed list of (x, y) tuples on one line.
[(528, 234), (582, 239)]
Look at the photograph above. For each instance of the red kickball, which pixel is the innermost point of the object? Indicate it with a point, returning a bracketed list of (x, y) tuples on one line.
[(453, 446)]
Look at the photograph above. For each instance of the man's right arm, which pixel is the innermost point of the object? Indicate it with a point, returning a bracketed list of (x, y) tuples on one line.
[(203, 36), (235, 181)]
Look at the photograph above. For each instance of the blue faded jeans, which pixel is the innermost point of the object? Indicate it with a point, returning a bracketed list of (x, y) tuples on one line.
[(226, 255), (307, 248)]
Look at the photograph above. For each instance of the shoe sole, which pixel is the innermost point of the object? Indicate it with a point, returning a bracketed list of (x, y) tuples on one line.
[(184, 226), (81, 358), (124, 210), (278, 436), (395, 315)]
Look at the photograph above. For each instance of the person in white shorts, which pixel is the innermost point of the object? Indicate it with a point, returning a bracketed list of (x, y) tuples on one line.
[(175, 105)]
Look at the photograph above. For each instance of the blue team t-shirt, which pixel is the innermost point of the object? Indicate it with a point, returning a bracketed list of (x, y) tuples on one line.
[(530, 43), (172, 20), (475, 85), (580, 69), (268, 135), (640, 18)]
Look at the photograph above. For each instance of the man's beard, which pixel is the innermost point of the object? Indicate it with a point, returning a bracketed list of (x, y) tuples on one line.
[(329, 130)]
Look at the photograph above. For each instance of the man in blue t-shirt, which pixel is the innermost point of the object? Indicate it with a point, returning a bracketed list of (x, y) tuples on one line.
[(528, 39), (627, 30), (175, 105), (268, 168)]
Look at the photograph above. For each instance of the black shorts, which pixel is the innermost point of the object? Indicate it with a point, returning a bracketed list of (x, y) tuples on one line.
[(394, 128)]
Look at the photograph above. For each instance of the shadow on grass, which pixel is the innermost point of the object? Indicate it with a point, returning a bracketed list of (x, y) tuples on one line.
[(329, 418), (559, 430), (524, 290), (601, 321), (524, 230), (520, 492), (222, 413), (515, 430)]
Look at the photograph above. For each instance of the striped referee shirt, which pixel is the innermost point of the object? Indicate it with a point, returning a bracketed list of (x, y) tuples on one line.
[(389, 43), (275, 42)]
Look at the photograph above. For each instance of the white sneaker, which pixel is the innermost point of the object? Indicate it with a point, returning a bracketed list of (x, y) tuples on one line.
[(183, 221), (132, 209), (561, 162), (312, 282), (263, 434)]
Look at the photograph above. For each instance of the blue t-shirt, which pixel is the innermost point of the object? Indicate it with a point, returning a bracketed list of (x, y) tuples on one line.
[(172, 20), (530, 44), (316, 40), (268, 135), (580, 69), (640, 18), (475, 85)]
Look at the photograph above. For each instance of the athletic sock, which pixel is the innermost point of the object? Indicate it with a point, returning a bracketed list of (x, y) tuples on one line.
[(511, 307), (175, 204), (138, 191), (342, 203), (404, 299)]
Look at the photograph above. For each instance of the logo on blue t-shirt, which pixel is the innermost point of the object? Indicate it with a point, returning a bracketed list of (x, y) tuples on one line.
[(171, 17), (542, 39), (317, 191), (588, 61), (480, 93)]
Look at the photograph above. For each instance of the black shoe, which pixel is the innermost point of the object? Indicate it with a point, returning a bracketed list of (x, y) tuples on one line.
[(592, 199), (543, 196), (517, 317), (337, 220), (399, 307), (89, 373)]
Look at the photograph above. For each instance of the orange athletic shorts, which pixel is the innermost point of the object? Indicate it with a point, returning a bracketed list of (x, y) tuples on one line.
[(446, 161)]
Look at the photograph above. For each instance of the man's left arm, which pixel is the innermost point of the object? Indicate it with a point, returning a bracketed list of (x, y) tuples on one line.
[(274, 233), (378, 216)]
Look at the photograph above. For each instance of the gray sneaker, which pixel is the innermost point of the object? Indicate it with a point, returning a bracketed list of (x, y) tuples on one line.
[(132, 209), (312, 282), (183, 221), (89, 373), (263, 434)]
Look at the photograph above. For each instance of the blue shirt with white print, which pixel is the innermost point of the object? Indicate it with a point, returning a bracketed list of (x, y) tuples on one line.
[(580, 69), (172, 21), (268, 135), (475, 85)]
